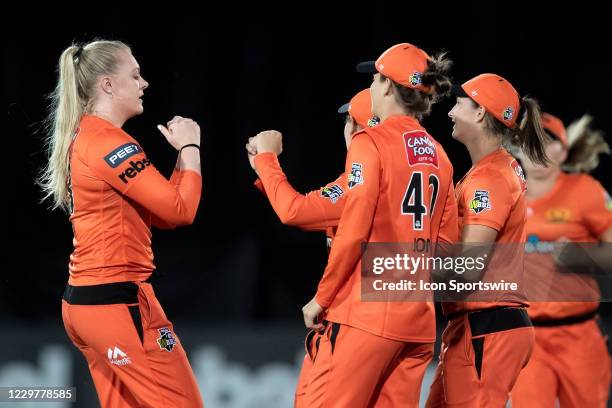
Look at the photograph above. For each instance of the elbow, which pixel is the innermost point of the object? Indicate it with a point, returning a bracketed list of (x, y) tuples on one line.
[(185, 220), (287, 219), (178, 219)]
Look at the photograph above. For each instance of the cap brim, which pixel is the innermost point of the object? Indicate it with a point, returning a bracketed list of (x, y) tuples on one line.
[(368, 67), (344, 108), (458, 91)]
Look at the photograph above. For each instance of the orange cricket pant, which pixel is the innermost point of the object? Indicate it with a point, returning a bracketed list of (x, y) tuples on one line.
[(570, 362), (481, 357), (348, 367), (134, 356)]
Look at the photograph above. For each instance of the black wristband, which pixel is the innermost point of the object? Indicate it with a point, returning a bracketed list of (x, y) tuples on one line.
[(189, 145)]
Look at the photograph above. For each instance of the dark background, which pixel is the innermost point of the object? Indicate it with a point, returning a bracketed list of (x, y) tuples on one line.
[(237, 262)]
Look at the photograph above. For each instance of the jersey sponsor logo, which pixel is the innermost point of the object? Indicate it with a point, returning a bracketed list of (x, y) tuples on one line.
[(420, 148), (135, 168), (121, 154), (166, 341), (557, 215), (333, 193), (518, 170), (118, 357), (480, 202), (355, 177)]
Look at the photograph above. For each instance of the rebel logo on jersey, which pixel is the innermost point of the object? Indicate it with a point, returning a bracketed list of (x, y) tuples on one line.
[(121, 154), (333, 193), (480, 202), (135, 168), (420, 148), (355, 177)]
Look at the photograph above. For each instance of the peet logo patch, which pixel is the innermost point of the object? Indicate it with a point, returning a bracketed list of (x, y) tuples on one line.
[(135, 168), (121, 154), (420, 148)]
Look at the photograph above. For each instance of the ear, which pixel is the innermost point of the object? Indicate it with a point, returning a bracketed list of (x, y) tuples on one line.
[(479, 113), (106, 85), (388, 87)]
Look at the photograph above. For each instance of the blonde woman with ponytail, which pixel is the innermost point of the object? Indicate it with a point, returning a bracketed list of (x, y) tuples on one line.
[(570, 361), (100, 175)]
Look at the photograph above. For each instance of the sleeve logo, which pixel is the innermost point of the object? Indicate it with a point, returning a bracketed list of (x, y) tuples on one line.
[(518, 170), (420, 148), (166, 341), (480, 202), (134, 169), (333, 193), (121, 154), (355, 177)]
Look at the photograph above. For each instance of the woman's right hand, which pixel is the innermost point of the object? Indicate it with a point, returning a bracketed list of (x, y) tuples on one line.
[(180, 132)]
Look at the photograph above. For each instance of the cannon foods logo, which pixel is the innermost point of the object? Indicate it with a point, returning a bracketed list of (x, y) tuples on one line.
[(420, 148)]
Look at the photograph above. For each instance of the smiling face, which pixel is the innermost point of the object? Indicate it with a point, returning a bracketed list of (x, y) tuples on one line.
[(128, 86), (467, 118)]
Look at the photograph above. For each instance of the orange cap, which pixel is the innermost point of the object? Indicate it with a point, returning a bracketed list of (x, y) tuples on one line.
[(555, 126), (496, 95), (360, 109), (403, 63)]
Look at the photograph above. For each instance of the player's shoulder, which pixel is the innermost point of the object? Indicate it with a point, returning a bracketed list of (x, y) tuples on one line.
[(582, 181), (103, 138)]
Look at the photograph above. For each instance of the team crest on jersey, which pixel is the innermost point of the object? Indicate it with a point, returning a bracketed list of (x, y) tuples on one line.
[(508, 113), (333, 193), (557, 215), (420, 148), (416, 78), (355, 177), (518, 170), (167, 341), (480, 202)]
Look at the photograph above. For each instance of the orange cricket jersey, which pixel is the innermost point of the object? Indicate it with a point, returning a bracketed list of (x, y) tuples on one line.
[(117, 194), (318, 210), (578, 209), (492, 193), (389, 168)]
